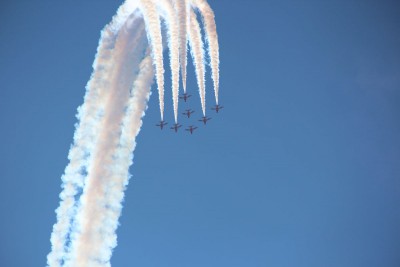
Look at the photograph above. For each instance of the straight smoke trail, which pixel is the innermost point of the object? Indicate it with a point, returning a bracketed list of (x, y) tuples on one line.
[(149, 10), (116, 97), (183, 16), (197, 51), (212, 40), (173, 45)]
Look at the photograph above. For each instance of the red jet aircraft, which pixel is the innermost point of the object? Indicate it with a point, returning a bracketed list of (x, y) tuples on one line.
[(217, 108), (188, 112), (162, 124), (176, 127), (185, 96), (205, 119), (191, 129)]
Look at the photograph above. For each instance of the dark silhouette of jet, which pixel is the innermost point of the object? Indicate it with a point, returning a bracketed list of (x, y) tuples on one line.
[(217, 108), (205, 119), (191, 129), (162, 124), (185, 96), (188, 112), (176, 127)]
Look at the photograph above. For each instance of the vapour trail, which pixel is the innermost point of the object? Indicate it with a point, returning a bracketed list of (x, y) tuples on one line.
[(91, 244), (152, 19), (183, 16), (173, 46), (212, 40), (110, 118), (123, 157), (197, 52), (89, 116)]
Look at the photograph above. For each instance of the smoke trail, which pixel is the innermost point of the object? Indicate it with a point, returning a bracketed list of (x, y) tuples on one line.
[(152, 20), (197, 51), (212, 40), (110, 118), (88, 244), (183, 16), (89, 115), (123, 157), (173, 45)]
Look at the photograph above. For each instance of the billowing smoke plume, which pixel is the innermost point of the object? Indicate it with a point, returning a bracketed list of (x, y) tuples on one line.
[(129, 55)]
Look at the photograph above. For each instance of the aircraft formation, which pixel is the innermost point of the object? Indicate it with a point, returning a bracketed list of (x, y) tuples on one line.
[(188, 113)]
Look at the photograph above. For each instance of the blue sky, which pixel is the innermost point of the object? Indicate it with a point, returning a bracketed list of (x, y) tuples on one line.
[(301, 168)]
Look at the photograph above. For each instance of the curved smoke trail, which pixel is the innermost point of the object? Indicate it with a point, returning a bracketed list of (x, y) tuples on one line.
[(116, 97), (91, 240), (89, 115)]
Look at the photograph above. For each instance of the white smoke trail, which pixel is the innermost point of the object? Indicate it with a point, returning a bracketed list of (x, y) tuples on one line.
[(88, 245), (197, 51), (212, 40), (110, 118), (123, 157), (84, 139), (173, 45), (183, 16), (152, 20)]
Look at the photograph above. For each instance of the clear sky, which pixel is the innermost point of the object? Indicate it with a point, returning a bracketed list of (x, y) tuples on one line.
[(301, 168)]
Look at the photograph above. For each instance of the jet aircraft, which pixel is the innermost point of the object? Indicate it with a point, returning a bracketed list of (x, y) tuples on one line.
[(176, 127), (185, 96), (217, 108), (162, 124), (205, 119), (188, 112), (191, 129)]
